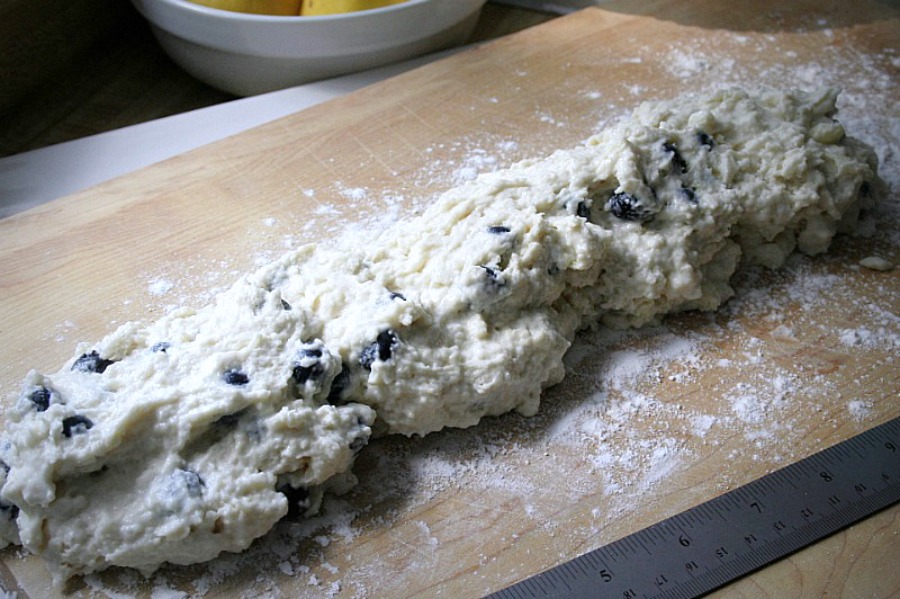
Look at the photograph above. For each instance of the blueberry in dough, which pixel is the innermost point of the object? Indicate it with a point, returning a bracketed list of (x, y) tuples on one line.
[(677, 159), (865, 190), (628, 207), (705, 140), (493, 276), (583, 210), (380, 349), (91, 362), (394, 295), (40, 398), (340, 384), (190, 481), (235, 377), (76, 425), (308, 365), (385, 342), (285, 305), (498, 230), (8, 510), (162, 346), (688, 194), (311, 352)]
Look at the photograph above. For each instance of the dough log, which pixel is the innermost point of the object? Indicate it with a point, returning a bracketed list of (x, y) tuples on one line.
[(179, 439)]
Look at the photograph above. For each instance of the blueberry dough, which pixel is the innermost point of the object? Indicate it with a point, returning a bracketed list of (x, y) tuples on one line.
[(180, 439)]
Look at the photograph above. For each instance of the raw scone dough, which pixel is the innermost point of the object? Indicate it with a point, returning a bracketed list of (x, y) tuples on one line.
[(193, 435)]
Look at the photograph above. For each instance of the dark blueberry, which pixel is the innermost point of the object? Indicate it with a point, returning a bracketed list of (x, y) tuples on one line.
[(399, 296), (298, 499), (4, 466), (386, 341), (235, 377), (301, 374), (161, 346), (8, 510), (76, 425), (688, 194), (285, 305), (192, 483), (493, 276), (498, 230), (677, 159), (380, 349), (340, 384), (91, 362), (307, 366), (40, 398), (705, 140), (627, 207), (583, 210)]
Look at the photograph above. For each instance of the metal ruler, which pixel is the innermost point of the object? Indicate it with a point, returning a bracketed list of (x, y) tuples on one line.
[(716, 542)]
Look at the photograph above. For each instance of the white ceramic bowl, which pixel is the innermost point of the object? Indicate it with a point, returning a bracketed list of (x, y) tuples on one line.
[(249, 54)]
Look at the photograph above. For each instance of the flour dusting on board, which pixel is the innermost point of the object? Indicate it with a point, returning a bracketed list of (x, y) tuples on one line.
[(637, 407)]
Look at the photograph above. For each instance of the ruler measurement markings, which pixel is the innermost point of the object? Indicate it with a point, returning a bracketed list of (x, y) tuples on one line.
[(703, 511), (783, 479), (561, 580), (861, 447), (638, 545), (526, 589), (738, 532), (658, 533), (595, 561), (581, 566)]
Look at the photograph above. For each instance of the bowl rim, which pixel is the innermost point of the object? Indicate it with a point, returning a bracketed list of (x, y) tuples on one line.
[(220, 13), (285, 37)]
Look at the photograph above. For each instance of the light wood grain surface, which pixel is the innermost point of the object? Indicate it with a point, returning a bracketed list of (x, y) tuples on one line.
[(646, 424)]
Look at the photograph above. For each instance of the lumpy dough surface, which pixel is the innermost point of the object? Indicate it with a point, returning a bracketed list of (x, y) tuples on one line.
[(176, 440)]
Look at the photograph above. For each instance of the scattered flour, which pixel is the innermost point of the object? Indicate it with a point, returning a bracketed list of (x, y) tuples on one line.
[(357, 194), (859, 410), (160, 287)]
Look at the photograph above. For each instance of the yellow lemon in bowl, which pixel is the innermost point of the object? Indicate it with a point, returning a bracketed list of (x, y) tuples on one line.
[(332, 7), (292, 8), (257, 7)]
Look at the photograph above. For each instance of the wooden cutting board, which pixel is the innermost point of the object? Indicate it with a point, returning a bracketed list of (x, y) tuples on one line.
[(647, 423)]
